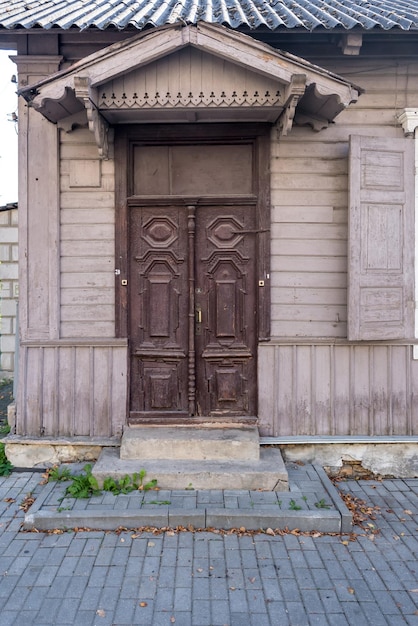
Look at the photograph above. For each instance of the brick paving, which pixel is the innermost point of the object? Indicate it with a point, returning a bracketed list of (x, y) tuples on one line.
[(212, 579)]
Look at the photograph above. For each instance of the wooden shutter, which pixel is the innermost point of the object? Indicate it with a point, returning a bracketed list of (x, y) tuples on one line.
[(381, 239)]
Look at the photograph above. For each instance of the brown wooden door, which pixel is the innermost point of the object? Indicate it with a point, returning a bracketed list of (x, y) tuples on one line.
[(192, 311)]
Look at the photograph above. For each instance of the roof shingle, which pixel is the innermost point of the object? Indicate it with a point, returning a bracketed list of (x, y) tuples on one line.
[(273, 14)]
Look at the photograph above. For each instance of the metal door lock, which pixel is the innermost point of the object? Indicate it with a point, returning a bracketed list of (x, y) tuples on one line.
[(261, 283), (124, 282)]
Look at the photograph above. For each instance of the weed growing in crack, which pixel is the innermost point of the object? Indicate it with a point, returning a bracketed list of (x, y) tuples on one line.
[(321, 504), (58, 474), (85, 485), (5, 465)]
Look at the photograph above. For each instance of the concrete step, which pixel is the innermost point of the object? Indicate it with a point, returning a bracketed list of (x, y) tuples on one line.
[(221, 509), (188, 443), (267, 473)]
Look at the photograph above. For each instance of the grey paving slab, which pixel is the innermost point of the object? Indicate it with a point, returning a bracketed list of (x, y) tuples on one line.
[(212, 578)]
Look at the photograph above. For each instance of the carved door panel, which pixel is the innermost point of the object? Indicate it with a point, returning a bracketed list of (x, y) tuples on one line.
[(158, 311), (225, 311), (192, 312)]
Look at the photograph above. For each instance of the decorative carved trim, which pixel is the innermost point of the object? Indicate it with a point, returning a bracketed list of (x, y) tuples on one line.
[(97, 124), (294, 91), (408, 120), (147, 100)]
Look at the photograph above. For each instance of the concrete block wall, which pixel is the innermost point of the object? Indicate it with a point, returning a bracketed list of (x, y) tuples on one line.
[(9, 289)]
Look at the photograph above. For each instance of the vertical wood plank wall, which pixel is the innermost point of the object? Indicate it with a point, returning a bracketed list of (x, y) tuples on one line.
[(74, 388), (337, 389)]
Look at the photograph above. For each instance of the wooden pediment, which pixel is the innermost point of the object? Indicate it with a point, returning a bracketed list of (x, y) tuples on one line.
[(191, 85), (190, 74)]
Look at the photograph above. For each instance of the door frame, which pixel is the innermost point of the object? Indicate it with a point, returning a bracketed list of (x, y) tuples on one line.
[(127, 136)]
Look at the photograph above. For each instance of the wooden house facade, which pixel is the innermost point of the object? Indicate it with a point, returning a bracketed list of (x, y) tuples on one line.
[(217, 227)]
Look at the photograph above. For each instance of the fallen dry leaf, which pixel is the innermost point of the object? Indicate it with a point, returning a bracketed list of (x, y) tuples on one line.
[(350, 590), (143, 604), (101, 613), (26, 503), (172, 619), (252, 579), (360, 510), (270, 531), (408, 512)]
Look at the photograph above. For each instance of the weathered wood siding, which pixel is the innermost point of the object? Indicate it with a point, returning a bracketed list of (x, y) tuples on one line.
[(87, 224), (73, 372), (309, 195), (73, 388), (337, 389), (330, 386)]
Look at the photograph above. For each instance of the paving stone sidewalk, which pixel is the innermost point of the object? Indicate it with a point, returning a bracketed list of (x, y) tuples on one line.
[(212, 578)]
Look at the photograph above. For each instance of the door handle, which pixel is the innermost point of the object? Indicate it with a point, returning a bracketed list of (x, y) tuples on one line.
[(198, 315)]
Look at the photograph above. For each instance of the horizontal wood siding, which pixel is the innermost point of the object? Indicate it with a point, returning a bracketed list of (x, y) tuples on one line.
[(337, 389), (73, 390), (309, 196), (87, 302)]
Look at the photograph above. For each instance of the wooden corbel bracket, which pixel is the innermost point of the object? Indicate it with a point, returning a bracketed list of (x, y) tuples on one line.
[(409, 120), (293, 93), (97, 124)]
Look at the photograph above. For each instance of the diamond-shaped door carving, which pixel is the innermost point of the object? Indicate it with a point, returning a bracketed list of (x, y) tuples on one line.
[(160, 232), (223, 232)]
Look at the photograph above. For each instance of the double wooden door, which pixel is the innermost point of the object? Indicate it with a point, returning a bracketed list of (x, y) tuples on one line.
[(192, 309)]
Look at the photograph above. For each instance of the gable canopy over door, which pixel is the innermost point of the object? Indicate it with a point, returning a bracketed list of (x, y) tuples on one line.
[(199, 73)]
